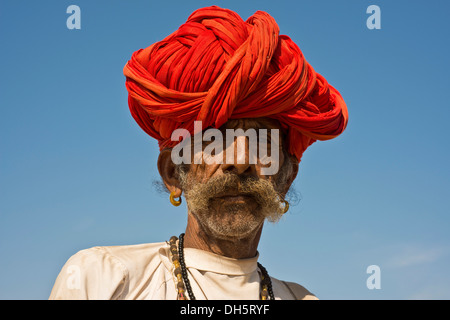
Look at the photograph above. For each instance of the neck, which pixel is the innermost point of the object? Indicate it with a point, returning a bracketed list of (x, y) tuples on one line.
[(238, 248)]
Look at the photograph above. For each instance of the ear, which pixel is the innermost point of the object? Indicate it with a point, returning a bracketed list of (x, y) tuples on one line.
[(167, 171)]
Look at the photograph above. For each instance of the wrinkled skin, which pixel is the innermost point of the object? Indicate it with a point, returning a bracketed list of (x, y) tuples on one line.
[(228, 203)]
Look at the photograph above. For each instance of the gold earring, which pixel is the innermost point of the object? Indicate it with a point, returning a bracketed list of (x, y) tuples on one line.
[(176, 203), (286, 206)]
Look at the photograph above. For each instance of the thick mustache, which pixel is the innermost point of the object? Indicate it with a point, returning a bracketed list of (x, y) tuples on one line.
[(201, 196), (232, 185)]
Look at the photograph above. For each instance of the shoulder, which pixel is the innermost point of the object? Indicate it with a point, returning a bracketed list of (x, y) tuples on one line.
[(123, 258), (104, 272), (292, 290), (130, 256)]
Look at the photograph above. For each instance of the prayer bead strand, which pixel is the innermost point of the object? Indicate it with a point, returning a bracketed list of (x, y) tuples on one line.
[(183, 267), (181, 275), (176, 263)]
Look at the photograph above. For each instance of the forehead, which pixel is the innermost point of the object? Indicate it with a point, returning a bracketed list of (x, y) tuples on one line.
[(255, 123)]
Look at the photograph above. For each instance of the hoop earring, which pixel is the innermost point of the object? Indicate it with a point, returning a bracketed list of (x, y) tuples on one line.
[(176, 203), (286, 206)]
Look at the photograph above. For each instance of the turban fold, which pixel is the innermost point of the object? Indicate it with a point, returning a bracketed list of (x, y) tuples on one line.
[(217, 67)]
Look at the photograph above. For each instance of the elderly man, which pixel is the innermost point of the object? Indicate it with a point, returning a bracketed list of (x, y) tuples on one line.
[(216, 74)]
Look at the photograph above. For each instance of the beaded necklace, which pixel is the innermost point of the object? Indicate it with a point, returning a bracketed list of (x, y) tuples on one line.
[(183, 283)]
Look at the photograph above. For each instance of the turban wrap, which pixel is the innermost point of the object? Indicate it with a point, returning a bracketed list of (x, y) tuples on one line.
[(217, 67)]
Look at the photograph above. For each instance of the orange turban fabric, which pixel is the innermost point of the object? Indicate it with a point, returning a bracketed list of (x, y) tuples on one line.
[(217, 67)]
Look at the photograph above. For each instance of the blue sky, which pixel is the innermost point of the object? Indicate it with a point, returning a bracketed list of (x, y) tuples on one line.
[(76, 171)]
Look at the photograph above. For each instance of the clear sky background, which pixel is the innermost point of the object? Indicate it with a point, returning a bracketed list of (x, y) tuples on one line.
[(76, 171)]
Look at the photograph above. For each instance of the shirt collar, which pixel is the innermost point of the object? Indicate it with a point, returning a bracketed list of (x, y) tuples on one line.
[(208, 261)]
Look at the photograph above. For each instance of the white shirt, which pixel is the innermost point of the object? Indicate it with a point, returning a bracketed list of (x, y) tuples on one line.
[(145, 271)]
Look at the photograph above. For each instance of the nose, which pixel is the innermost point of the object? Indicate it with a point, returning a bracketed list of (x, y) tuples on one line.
[(241, 168), (241, 160)]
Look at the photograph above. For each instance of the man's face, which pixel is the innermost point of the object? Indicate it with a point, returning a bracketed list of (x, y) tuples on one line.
[(231, 200)]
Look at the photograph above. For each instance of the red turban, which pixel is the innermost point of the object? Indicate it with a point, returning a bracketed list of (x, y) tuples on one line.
[(217, 67)]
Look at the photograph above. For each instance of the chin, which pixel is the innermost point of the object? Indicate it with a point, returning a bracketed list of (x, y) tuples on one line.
[(230, 224)]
